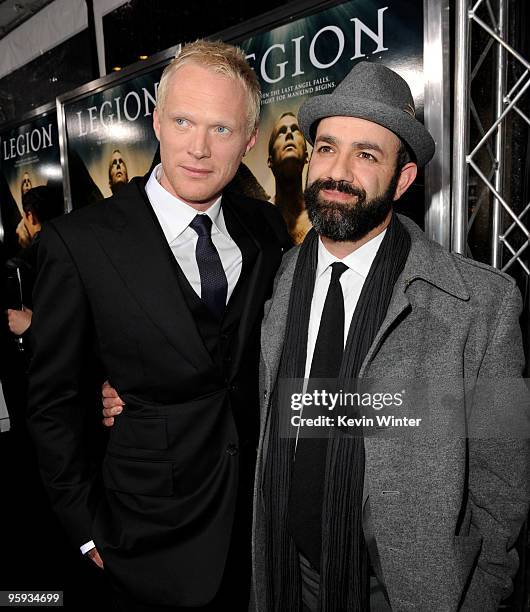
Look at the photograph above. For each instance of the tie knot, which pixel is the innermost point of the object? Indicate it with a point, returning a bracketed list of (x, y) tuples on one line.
[(337, 270), (202, 224)]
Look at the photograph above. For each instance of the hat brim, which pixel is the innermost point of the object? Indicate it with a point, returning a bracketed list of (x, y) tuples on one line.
[(407, 127)]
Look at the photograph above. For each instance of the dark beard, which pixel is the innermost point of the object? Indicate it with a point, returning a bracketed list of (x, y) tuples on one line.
[(342, 222)]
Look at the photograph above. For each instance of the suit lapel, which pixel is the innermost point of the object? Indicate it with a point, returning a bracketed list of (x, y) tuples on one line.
[(137, 248), (261, 257), (249, 251)]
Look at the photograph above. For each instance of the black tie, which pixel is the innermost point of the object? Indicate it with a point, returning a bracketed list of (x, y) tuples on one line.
[(308, 480), (214, 286)]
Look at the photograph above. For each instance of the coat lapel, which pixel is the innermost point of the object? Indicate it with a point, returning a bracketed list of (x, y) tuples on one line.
[(249, 251), (135, 244), (263, 257), (427, 261)]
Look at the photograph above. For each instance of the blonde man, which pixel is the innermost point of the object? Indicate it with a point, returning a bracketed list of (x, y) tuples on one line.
[(170, 280)]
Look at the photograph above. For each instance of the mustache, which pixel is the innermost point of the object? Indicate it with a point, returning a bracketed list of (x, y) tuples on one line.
[(342, 186)]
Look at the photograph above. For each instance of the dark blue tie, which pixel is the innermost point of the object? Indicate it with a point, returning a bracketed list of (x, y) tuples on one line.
[(214, 286)]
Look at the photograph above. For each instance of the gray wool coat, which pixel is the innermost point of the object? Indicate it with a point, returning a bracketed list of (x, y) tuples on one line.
[(441, 513)]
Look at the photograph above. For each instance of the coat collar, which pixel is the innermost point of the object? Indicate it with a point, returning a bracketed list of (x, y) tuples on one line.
[(426, 261)]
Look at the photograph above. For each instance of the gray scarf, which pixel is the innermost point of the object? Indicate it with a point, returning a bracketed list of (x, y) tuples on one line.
[(344, 579)]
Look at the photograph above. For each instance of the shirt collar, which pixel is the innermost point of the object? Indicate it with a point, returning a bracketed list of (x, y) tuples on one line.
[(174, 214), (359, 261)]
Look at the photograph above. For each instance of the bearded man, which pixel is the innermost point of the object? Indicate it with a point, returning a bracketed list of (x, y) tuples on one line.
[(362, 517)]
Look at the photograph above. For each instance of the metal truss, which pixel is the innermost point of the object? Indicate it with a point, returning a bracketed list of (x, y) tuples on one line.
[(481, 157)]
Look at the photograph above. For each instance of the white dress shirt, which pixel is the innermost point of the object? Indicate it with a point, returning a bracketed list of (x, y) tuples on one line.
[(175, 217), (352, 280)]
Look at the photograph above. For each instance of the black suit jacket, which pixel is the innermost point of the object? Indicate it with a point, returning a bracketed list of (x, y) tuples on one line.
[(162, 523)]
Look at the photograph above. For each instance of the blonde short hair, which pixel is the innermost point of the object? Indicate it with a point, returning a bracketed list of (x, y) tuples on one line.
[(221, 58)]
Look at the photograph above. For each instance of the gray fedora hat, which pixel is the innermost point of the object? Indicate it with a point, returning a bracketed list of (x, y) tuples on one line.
[(373, 92)]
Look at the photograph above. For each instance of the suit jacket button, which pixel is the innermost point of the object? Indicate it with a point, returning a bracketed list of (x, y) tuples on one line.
[(232, 449)]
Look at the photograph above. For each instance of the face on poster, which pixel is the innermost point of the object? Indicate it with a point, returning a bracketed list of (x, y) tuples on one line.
[(309, 57), (110, 136), (30, 157)]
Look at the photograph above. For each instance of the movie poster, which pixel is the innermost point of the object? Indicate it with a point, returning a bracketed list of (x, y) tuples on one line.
[(30, 157), (311, 56), (110, 137)]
